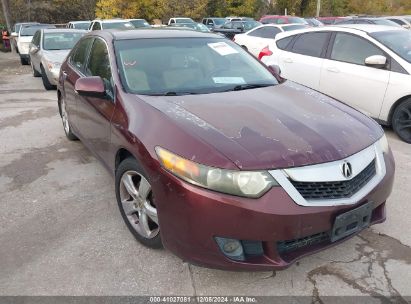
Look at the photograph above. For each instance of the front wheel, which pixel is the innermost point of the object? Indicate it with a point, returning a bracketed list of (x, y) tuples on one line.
[(34, 71), (136, 202), (401, 120), (66, 122), (24, 61), (47, 85)]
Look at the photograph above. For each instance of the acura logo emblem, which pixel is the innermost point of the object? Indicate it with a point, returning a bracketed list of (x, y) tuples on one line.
[(346, 169)]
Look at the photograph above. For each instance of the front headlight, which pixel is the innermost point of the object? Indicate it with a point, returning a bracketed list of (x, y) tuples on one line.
[(53, 65), (383, 142), (241, 183)]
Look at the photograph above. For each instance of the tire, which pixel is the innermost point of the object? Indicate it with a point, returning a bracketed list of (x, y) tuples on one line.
[(401, 120), (66, 123), (34, 71), (47, 85), (136, 202), (23, 61)]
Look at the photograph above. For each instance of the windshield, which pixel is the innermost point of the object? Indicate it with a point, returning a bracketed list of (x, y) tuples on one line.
[(219, 21), (184, 20), (398, 41), (60, 41), (296, 20), (139, 23), (30, 30), (118, 25), (248, 25), (178, 66), (294, 27), (81, 25)]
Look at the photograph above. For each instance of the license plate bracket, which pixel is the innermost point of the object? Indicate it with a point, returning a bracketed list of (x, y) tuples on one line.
[(351, 221)]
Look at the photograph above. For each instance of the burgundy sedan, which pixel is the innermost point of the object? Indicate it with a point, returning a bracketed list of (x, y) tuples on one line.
[(213, 158)]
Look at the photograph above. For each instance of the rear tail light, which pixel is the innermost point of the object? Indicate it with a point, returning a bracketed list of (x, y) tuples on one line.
[(265, 52)]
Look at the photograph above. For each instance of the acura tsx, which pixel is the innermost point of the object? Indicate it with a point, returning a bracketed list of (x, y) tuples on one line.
[(213, 157)]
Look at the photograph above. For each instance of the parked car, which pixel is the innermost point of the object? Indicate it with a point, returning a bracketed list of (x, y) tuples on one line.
[(404, 21), (193, 26), (139, 23), (278, 19), (79, 25), (212, 22), (313, 22), (109, 24), (332, 20), (256, 39), (231, 28), (24, 39), (15, 33), (214, 159), (48, 49), (378, 21), (172, 21), (365, 66)]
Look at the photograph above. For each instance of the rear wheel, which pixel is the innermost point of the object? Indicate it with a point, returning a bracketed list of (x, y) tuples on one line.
[(24, 61), (136, 202), (401, 120), (46, 82)]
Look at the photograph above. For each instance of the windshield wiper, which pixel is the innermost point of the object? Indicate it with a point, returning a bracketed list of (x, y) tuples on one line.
[(250, 86)]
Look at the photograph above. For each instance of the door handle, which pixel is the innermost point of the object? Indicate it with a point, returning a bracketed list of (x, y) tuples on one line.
[(288, 60), (333, 69)]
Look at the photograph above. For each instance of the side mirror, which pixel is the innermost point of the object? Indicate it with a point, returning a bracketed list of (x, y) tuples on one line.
[(276, 71), (376, 61), (14, 34), (90, 86), (33, 48)]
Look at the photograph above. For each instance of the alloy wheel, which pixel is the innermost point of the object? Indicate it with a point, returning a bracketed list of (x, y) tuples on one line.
[(403, 121), (137, 203), (66, 124)]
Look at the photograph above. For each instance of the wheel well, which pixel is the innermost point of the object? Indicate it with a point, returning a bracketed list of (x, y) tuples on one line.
[(395, 105), (121, 155)]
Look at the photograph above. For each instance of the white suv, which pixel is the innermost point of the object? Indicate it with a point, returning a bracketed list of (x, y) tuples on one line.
[(107, 24), (365, 66)]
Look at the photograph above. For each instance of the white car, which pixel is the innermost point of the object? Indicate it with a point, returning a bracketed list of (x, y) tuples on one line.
[(404, 21), (256, 39), (172, 21), (107, 24), (365, 66), (24, 38)]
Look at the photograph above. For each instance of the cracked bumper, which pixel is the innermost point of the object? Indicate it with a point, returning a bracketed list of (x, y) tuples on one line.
[(190, 218)]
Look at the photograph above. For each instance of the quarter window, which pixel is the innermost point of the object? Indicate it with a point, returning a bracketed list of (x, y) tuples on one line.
[(353, 49), (96, 26), (311, 44), (283, 43)]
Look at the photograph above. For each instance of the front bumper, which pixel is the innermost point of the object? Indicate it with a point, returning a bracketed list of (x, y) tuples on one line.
[(52, 74), (191, 217)]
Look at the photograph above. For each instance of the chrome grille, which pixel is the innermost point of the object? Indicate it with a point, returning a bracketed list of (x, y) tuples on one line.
[(338, 189)]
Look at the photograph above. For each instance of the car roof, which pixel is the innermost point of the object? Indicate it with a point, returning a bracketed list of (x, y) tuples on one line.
[(111, 20), (79, 21), (62, 30), (155, 33)]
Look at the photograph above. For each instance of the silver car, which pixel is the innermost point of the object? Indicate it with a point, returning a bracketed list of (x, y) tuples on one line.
[(48, 49)]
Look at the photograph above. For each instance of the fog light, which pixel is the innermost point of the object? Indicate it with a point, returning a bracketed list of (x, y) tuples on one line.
[(231, 248)]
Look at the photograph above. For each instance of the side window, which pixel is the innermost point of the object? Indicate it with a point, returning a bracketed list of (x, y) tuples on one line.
[(281, 21), (353, 49), (96, 26), (311, 44), (36, 38), (210, 22), (256, 33), (283, 43), (79, 54), (265, 32), (228, 25), (398, 21), (99, 63), (172, 21)]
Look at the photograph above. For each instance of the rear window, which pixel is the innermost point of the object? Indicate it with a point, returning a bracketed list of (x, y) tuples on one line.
[(60, 41), (118, 25), (30, 30), (311, 44)]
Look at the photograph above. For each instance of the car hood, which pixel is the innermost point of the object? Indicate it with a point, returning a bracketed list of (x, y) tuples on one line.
[(283, 126), (55, 56)]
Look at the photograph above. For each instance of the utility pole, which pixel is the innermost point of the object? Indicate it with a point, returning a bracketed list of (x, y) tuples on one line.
[(29, 4), (318, 8), (6, 12)]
